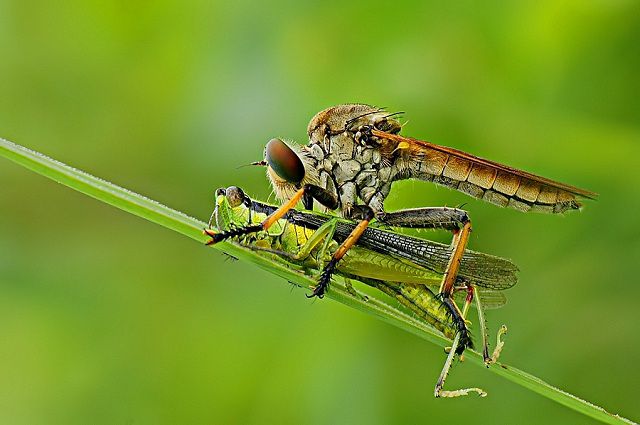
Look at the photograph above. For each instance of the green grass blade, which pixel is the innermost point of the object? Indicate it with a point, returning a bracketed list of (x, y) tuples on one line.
[(153, 211)]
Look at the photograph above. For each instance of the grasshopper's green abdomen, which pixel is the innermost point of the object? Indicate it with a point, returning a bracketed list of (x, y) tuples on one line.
[(425, 304)]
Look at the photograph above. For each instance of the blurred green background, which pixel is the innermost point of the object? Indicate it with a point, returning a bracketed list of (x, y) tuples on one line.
[(106, 318)]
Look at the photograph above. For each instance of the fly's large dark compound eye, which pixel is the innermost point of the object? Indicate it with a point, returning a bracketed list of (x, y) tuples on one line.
[(284, 161)]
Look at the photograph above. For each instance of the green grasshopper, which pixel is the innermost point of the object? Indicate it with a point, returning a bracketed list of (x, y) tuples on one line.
[(400, 266)]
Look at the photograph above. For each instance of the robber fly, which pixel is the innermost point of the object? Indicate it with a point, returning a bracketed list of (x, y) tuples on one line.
[(403, 267), (354, 155)]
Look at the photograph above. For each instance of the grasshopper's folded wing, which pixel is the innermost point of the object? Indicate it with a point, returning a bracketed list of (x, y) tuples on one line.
[(477, 268), (491, 299)]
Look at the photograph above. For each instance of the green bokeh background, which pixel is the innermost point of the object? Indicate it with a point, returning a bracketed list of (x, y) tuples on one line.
[(106, 318)]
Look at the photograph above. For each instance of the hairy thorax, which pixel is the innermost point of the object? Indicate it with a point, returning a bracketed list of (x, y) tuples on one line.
[(354, 168)]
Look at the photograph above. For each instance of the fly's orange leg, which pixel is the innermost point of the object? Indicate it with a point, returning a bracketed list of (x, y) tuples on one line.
[(459, 243), (265, 225), (352, 239)]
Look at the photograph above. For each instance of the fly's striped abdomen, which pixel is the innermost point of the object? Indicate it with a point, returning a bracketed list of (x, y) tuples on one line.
[(491, 182), (517, 192), (503, 188)]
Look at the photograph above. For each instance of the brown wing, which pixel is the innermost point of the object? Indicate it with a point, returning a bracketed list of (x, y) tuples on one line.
[(482, 178)]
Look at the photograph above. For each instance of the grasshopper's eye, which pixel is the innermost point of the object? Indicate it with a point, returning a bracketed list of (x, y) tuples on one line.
[(235, 196), (284, 161)]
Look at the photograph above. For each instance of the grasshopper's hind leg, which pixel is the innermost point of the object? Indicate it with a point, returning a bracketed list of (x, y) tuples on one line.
[(438, 391), (488, 359), (367, 215)]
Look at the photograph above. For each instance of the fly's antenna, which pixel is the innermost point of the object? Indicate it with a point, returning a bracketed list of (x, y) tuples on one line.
[(348, 123), (357, 117), (262, 163), (395, 114)]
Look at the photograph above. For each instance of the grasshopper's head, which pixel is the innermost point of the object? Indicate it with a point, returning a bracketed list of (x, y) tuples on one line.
[(231, 208), (287, 169)]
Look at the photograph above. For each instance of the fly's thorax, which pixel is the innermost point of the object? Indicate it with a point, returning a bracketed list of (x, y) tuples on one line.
[(353, 168), (350, 118), (360, 148), (356, 173)]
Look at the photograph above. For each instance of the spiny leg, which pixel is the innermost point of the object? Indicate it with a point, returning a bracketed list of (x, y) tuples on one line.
[(307, 193), (488, 359), (459, 243), (438, 391), (483, 329), (425, 218), (453, 219), (460, 321), (252, 228), (329, 269)]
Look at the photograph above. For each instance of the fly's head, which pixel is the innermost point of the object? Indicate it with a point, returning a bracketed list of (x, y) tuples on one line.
[(288, 168), (355, 120)]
